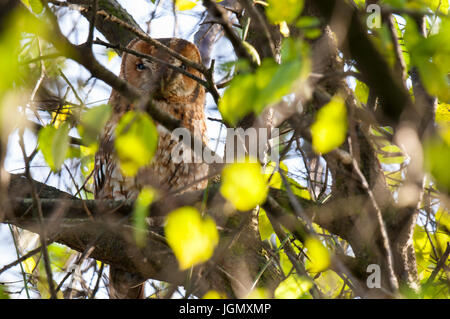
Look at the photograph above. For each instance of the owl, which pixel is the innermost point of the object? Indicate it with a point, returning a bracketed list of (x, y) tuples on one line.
[(173, 93)]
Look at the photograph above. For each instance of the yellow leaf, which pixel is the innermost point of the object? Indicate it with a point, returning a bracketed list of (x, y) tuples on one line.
[(319, 257), (29, 265), (330, 128), (191, 237), (212, 294), (293, 287), (61, 115), (244, 185), (136, 142), (283, 10), (111, 54), (258, 293), (183, 5)]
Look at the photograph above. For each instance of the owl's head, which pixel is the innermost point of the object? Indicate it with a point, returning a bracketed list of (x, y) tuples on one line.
[(158, 79)]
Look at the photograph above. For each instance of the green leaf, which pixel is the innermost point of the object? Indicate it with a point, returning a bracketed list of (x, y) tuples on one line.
[(330, 128), (293, 287), (244, 185), (3, 294), (140, 213), (283, 10), (36, 6), (92, 122), (437, 154), (136, 142), (443, 219), (268, 85), (191, 237), (54, 144)]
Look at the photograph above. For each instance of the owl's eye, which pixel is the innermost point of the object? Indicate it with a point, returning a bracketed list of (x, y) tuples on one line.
[(183, 66), (140, 66)]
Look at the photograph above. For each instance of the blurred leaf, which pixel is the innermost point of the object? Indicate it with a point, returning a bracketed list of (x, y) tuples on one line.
[(284, 29), (212, 294), (330, 128), (92, 122), (244, 185), (61, 115), (319, 257), (36, 6), (330, 284), (258, 293), (437, 154), (140, 213), (54, 144), (136, 141), (3, 294), (443, 219), (294, 287), (191, 237), (308, 22), (283, 10)]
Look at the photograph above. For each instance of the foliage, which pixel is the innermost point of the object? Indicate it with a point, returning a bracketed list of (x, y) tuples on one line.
[(334, 140)]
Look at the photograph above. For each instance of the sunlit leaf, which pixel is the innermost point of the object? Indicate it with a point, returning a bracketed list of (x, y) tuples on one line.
[(244, 185), (136, 141), (284, 29), (387, 158), (264, 225), (330, 128), (213, 294), (329, 283), (267, 85), (252, 51), (54, 144), (319, 257), (111, 54), (61, 115), (36, 6), (140, 213), (361, 92), (29, 265), (191, 237), (283, 10), (293, 287), (183, 5), (258, 293)]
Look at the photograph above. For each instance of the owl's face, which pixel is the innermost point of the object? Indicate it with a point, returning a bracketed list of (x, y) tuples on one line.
[(156, 78)]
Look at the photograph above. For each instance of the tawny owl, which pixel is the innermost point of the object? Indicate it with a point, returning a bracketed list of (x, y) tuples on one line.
[(174, 93)]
